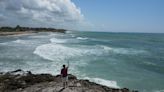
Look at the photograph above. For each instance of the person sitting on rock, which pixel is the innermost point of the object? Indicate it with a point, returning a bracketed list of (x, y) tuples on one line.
[(64, 76)]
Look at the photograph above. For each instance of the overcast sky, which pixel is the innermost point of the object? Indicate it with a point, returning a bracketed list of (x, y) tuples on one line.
[(85, 15)]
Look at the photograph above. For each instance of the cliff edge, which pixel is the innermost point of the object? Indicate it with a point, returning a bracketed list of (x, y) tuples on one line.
[(25, 81)]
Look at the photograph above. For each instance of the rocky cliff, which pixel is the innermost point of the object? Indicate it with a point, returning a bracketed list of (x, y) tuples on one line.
[(25, 81)]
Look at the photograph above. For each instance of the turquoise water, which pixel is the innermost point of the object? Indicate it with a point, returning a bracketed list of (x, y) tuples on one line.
[(132, 60)]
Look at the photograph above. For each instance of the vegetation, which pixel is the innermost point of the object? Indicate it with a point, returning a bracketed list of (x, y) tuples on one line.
[(22, 29)]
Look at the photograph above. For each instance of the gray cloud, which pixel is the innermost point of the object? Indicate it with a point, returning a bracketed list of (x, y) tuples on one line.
[(40, 13)]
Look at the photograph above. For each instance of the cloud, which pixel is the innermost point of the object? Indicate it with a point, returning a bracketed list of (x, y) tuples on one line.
[(40, 13)]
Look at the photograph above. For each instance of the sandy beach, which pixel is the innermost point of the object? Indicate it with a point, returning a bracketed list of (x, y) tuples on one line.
[(15, 33)]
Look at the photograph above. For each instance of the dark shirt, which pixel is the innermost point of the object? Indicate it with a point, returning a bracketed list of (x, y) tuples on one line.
[(64, 72)]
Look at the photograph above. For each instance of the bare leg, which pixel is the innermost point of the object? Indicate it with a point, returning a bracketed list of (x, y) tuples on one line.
[(66, 84)]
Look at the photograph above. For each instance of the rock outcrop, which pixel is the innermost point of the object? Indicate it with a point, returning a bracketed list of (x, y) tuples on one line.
[(21, 81)]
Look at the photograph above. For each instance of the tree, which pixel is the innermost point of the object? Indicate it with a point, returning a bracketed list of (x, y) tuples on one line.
[(17, 28)]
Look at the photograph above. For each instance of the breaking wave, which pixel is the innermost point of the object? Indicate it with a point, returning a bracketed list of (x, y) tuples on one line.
[(54, 40), (109, 83), (20, 41), (55, 51), (81, 38)]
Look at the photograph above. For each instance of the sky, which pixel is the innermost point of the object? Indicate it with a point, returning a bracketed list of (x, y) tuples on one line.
[(86, 15)]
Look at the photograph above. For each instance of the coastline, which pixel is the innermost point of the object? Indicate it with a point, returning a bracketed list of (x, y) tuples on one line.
[(5, 31), (26, 81), (15, 33)]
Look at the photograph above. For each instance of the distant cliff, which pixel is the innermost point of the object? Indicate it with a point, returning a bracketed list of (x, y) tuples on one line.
[(25, 29)]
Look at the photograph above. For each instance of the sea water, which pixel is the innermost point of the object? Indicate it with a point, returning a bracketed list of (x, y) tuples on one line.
[(132, 60)]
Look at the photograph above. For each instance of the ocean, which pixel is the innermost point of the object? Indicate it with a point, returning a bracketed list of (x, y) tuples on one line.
[(131, 60)]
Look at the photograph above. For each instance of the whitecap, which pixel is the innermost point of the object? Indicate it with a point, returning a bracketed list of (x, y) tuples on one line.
[(56, 52), (54, 40), (40, 36), (149, 63), (26, 42), (20, 41), (16, 41), (106, 47), (159, 90), (128, 51), (4, 43), (82, 38)]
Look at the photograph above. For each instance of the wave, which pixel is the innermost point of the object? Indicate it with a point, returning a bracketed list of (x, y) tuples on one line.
[(54, 40), (107, 48), (56, 35), (159, 90), (16, 41), (59, 52), (55, 51), (4, 43), (126, 51), (36, 37), (149, 63), (26, 42), (20, 41), (81, 38), (104, 82)]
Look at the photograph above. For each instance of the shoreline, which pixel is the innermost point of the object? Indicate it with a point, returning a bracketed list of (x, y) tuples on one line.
[(15, 33), (5, 31), (26, 81)]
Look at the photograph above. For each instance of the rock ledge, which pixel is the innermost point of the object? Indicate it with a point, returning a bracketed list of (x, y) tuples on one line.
[(25, 81)]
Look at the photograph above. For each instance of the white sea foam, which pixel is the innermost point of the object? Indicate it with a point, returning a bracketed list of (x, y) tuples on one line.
[(60, 53), (26, 42), (4, 43), (56, 35), (81, 38), (128, 51), (54, 40), (16, 41), (109, 83), (72, 35), (56, 52), (107, 48), (149, 63), (159, 90), (20, 41), (39, 36)]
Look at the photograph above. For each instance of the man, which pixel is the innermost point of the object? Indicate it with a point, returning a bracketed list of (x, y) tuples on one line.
[(64, 76)]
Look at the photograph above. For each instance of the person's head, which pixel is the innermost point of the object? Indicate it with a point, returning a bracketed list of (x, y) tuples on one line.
[(63, 66)]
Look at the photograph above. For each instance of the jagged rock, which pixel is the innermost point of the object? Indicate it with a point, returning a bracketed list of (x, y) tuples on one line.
[(28, 82), (72, 77)]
